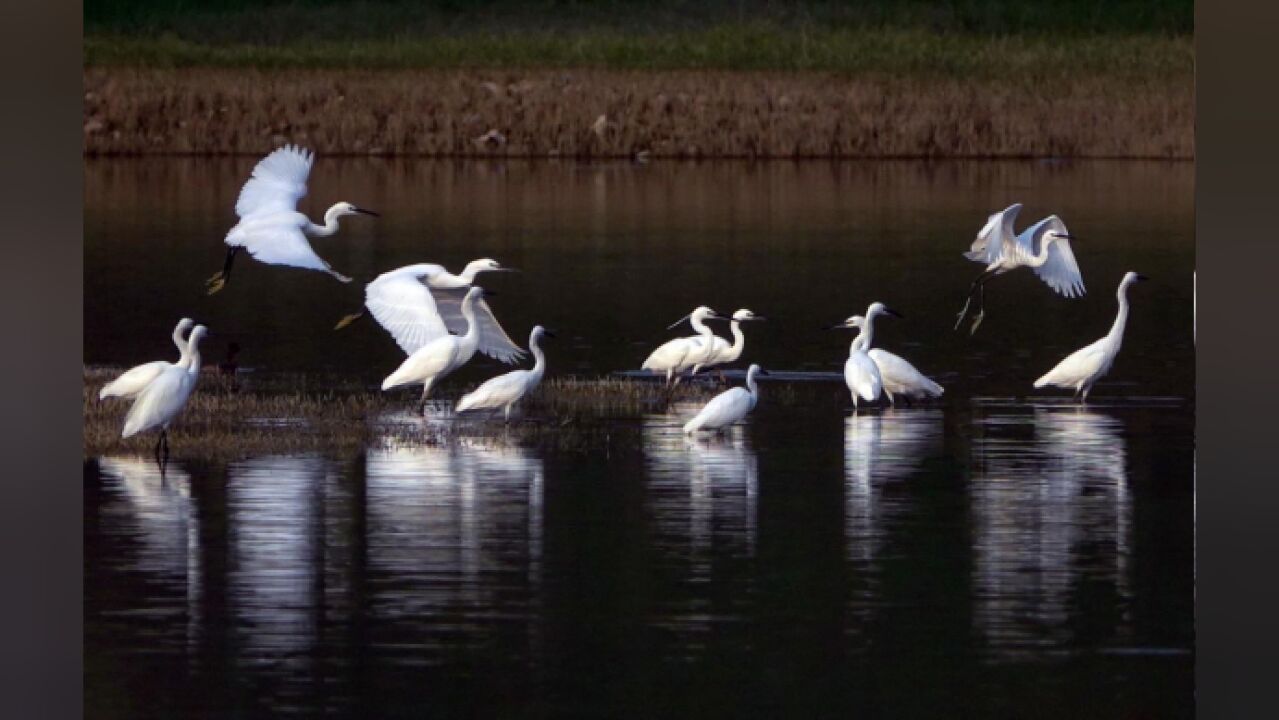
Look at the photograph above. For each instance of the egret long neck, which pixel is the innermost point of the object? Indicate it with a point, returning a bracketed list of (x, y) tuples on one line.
[(858, 342), (751, 386), (739, 341), (1121, 319), (472, 336), (539, 359), (1042, 256), (190, 360), (178, 340), (868, 331), (330, 225)]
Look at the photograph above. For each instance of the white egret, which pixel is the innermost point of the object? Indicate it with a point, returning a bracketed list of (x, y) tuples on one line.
[(420, 303), (135, 379), (1082, 368), (899, 376), (676, 356), (433, 361), (723, 353), (1043, 247), (165, 396), (505, 390), (861, 374), (270, 227), (728, 407)]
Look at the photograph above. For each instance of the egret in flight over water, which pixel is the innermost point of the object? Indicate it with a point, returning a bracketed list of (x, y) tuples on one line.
[(898, 376), (680, 354), (1043, 247), (135, 379), (729, 407), (270, 227), (164, 397), (1082, 368), (437, 358), (418, 304), (723, 353), (505, 390), (861, 374)]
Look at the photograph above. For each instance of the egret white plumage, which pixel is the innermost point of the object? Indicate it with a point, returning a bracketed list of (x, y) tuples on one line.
[(436, 359), (728, 407), (1044, 247), (680, 354), (1082, 368), (861, 374), (722, 353), (418, 304), (270, 227), (899, 377), (135, 379), (164, 397), (504, 391)]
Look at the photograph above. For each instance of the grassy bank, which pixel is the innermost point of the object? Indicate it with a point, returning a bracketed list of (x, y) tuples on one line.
[(610, 78)]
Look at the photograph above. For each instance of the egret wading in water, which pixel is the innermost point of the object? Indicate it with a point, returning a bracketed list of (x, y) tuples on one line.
[(1043, 247), (680, 354), (164, 397), (436, 359), (729, 407), (899, 377), (420, 303), (504, 391), (861, 374), (1084, 367), (723, 353), (270, 227), (135, 379)]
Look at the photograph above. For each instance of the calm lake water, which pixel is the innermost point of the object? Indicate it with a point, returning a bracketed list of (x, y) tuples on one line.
[(1003, 552)]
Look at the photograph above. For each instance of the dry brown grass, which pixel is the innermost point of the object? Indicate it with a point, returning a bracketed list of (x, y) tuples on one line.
[(681, 114)]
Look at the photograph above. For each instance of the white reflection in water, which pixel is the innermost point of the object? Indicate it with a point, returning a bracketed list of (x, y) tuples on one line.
[(275, 559), (1051, 515), (454, 541), (881, 447), (702, 495), (159, 513)]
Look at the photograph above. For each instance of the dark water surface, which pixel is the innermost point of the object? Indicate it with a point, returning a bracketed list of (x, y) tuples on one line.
[(993, 555)]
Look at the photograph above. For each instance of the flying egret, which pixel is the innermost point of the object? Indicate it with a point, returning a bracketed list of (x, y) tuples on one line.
[(861, 374), (505, 390), (1082, 368), (1043, 247), (434, 360), (270, 227), (420, 303), (723, 353), (165, 396), (676, 356), (899, 377), (728, 407), (135, 379)]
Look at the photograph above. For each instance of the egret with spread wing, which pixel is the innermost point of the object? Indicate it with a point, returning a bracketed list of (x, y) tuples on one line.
[(729, 407), (1043, 247), (441, 356), (505, 390), (898, 376), (270, 227), (1084, 367), (135, 379), (420, 303), (676, 356)]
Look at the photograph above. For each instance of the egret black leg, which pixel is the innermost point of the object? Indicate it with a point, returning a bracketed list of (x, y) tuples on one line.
[(223, 276), (981, 307), (978, 285)]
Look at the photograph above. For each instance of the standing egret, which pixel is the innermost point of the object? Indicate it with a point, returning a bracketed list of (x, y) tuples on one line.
[(1043, 247), (505, 390), (135, 379), (433, 361), (723, 353), (270, 227), (1082, 368), (420, 303), (676, 356), (861, 374), (899, 376), (165, 396), (728, 407)]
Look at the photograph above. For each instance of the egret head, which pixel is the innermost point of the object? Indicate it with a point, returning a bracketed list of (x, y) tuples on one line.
[(485, 265), (183, 325), (538, 333), (744, 315), (1132, 277), (698, 315), (197, 334), (475, 294), (346, 208), (879, 308), (755, 369), (854, 321)]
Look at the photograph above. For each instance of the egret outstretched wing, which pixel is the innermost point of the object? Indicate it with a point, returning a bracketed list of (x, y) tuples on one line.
[(404, 307), (494, 341), (277, 243), (993, 237), (1060, 271), (277, 183)]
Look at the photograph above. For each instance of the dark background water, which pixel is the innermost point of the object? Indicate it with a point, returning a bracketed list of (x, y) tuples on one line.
[(989, 556)]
